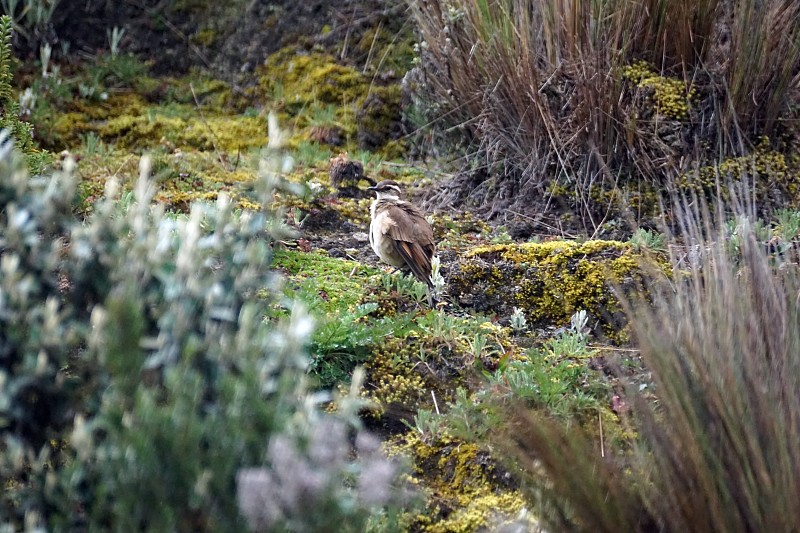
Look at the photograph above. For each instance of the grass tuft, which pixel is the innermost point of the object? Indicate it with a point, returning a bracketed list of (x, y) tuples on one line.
[(716, 446)]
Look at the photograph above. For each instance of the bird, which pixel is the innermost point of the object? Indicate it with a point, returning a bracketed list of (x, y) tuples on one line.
[(399, 234)]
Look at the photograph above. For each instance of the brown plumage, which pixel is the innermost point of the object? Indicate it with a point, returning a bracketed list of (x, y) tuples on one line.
[(399, 233)]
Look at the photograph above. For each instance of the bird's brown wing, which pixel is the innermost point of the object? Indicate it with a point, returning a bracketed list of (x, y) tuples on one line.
[(413, 239)]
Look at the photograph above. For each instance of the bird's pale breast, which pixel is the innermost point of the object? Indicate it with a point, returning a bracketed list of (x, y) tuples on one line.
[(381, 243)]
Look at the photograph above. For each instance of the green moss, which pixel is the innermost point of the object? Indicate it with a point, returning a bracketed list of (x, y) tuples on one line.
[(397, 379), (205, 37), (320, 94), (378, 119), (326, 284), (388, 51), (182, 177)]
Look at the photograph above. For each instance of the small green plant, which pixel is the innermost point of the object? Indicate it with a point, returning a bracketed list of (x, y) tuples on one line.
[(556, 377), (322, 116), (518, 321), (345, 340), (405, 285), (477, 345), (742, 226), (114, 36), (93, 145), (572, 341), (501, 236), (429, 424), (787, 223), (309, 153), (441, 326), (470, 418), (437, 291), (645, 239)]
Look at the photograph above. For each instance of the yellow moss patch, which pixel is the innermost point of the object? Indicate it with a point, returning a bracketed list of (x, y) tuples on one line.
[(670, 95), (395, 378), (460, 484), (182, 177), (332, 102), (228, 134), (117, 104), (769, 169)]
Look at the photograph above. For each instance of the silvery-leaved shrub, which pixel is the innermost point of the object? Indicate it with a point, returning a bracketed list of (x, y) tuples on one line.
[(147, 363)]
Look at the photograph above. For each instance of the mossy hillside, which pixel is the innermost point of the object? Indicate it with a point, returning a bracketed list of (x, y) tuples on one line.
[(68, 111), (224, 133), (549, 281), (464, 489), (182, 176), (295, 79), (333, 102), (388, 53)]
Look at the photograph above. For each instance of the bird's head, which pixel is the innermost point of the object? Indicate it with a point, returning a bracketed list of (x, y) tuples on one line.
[(387, 190)]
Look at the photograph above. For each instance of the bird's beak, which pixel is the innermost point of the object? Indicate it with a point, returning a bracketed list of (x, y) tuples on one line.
[(372, 188)]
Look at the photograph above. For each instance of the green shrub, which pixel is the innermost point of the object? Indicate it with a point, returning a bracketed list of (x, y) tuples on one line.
[(145, 370)]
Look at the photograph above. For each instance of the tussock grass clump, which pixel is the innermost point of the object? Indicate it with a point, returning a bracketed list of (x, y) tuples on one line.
[(717, 450), (545, 87)]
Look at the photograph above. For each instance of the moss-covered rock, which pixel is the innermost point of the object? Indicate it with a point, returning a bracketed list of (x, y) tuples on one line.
[(550, 281)]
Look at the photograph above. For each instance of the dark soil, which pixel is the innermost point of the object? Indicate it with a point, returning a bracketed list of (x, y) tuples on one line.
[(229, 38)]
